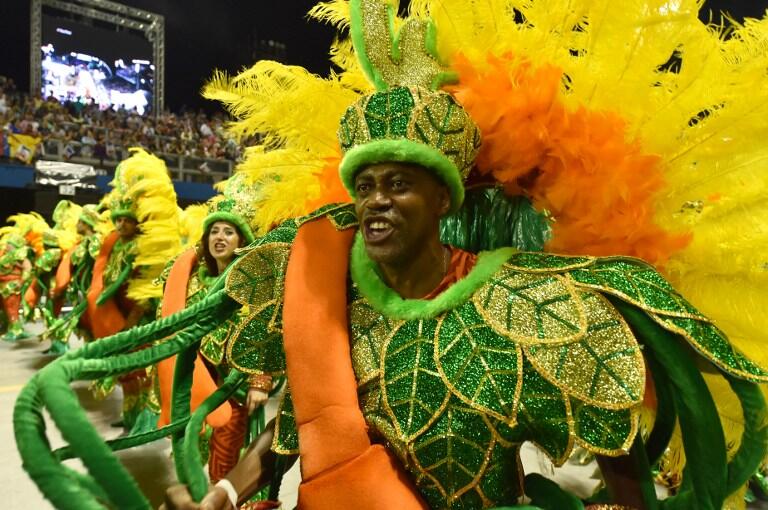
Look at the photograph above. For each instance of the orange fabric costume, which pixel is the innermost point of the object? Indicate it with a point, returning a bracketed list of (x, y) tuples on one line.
[(105, 319), (353, 473), (203, 385)]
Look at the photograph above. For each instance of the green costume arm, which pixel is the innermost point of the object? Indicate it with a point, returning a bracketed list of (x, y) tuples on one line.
[(50, 389), (110, 291)]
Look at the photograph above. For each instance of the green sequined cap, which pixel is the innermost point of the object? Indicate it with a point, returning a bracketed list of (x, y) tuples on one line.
[(236, 205), (407, 119)]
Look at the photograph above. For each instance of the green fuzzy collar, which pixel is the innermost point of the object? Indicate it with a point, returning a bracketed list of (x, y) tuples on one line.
[(366, 276)]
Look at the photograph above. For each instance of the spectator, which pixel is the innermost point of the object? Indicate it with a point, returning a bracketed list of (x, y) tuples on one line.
[(87, 130)]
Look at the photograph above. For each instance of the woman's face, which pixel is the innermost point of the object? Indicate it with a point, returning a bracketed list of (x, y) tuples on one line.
[(223, 240)]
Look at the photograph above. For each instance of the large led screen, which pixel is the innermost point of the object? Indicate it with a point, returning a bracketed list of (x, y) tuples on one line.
[(95, 64)]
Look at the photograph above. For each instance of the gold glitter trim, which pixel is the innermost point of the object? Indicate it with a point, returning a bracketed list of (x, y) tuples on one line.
[(406, 438), (706, 354), (399, 55), (578, 383), (511, 421), (549, 305)]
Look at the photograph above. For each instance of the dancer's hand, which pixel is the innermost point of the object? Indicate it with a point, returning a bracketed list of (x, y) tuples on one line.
[(255, 399), (177, 497)]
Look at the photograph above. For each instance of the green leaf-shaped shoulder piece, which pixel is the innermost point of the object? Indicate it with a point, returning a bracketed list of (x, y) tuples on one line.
[(413, 392), (286, 439), (547, 262), (258, 277), (341, 216), (712, 343), (637, 283), (481, 367), (531, 307), (604, 368), (256, 345)]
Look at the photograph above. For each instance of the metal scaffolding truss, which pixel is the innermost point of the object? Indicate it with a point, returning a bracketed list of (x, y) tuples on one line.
[(150, 24)]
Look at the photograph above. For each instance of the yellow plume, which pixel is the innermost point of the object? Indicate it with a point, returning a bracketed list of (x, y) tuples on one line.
[(296, 142)]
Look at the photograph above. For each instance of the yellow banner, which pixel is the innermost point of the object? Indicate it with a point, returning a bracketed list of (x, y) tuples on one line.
[(23, 147)]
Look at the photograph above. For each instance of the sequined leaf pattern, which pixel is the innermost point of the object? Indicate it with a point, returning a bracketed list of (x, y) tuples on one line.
[(389, 113), (369, 330), (286, 440), (352, 129), (532, 308), (442, 124), (604, 368), (478, 365), (638, 283), (258, 276), (451, 458), (604, 431), (341, 216), (543, 417), (257, 344), (713, 344), (548, 263), (213, 345), (414, 393)]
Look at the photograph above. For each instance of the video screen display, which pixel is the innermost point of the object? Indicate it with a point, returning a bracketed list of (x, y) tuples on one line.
[(95, 64)]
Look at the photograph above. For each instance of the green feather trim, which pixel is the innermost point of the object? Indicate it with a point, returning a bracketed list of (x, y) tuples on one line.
[(234, 219), (402, 151), (386, 301)]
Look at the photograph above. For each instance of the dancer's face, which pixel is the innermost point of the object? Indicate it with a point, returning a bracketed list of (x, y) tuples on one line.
[(223, 240), (83, 228), (399, 207), (126, 227)]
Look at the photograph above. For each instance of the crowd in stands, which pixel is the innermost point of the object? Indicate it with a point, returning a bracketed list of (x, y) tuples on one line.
[(86, 131)]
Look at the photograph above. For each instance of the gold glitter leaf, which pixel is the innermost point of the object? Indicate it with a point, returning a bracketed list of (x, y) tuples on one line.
[(532, 309), (604, 368), (258, 276)]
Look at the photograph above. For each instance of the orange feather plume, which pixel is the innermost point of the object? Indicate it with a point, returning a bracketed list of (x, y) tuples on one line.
[(577, 164)]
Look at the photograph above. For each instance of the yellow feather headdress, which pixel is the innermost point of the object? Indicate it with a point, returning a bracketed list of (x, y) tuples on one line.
[(143, 189)]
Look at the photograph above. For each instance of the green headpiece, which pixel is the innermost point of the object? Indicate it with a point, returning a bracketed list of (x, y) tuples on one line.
[(235, 205), (90, 215), (61, 212), (121, 204), (407, 119)]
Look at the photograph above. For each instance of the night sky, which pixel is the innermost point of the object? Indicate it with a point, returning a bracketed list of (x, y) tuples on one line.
[(203, 35)]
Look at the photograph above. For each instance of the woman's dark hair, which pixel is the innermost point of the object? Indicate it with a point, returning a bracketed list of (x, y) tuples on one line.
[(210, 262)]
